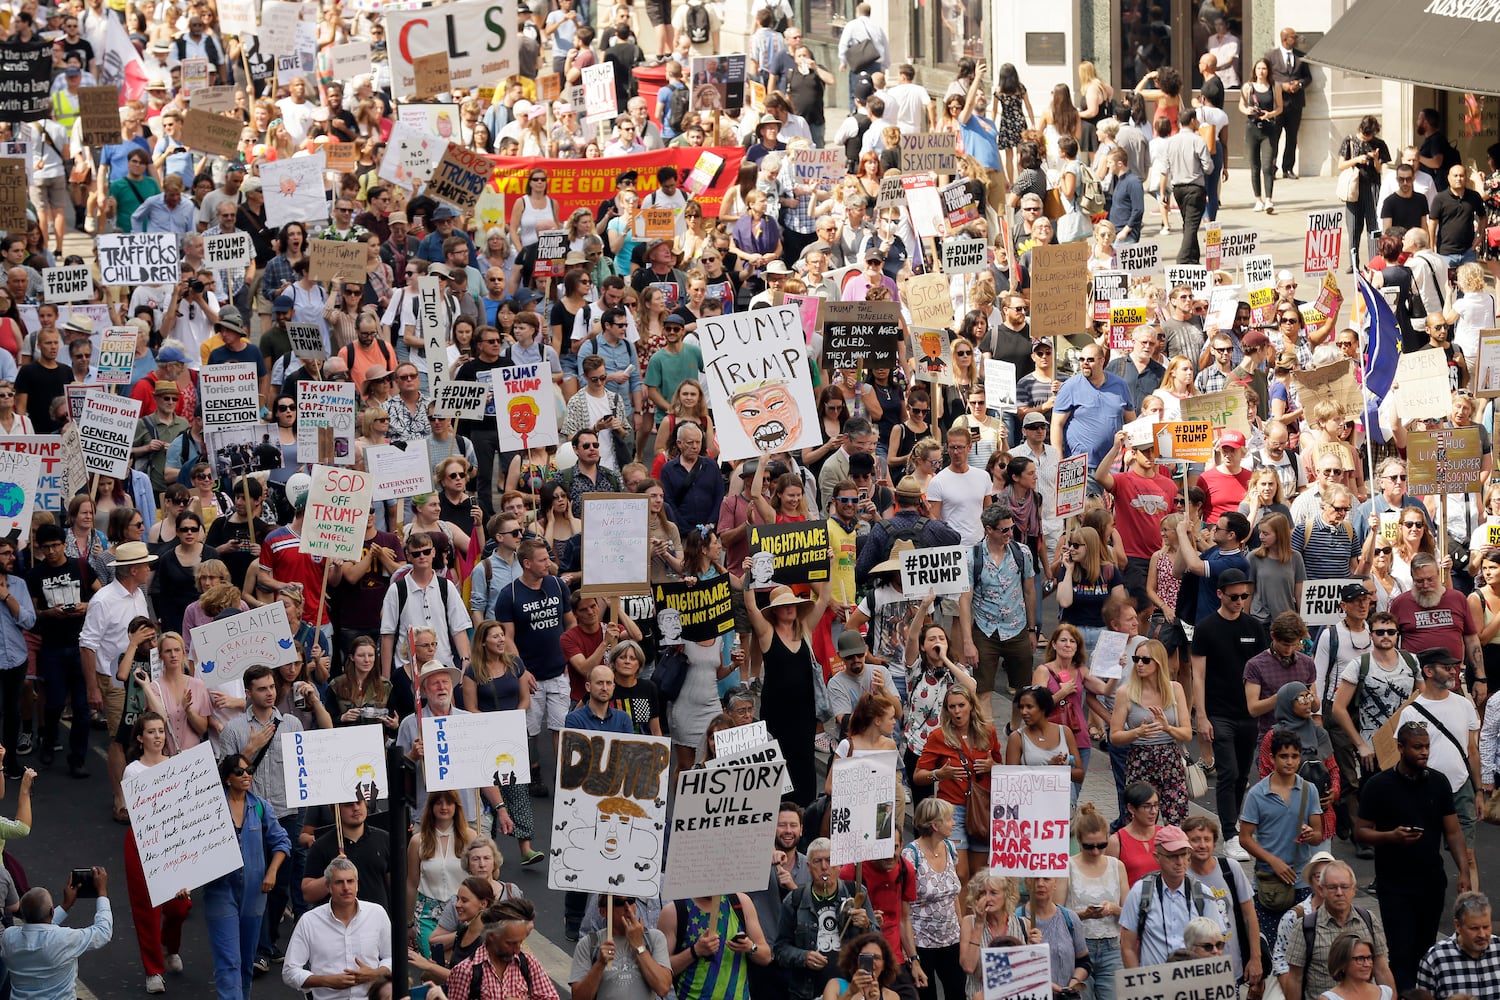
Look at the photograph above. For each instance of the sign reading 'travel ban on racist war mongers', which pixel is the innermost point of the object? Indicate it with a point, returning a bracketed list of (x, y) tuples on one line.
[(1029, 820), (788, 553), (940, 571)]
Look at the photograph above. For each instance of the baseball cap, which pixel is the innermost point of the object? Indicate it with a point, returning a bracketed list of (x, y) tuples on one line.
[(1436, 655), (1034, 419), (1353, 592), (1231, 439), (1230, 577), (1171, 839), (1254, 340)]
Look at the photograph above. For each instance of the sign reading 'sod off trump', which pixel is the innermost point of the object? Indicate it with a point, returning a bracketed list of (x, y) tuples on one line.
[(338, 506)]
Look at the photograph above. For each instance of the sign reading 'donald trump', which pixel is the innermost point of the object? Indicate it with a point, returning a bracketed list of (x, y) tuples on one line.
[(759, 382)]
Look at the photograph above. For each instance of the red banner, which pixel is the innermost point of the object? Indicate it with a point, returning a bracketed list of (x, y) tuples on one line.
[(580, 183)]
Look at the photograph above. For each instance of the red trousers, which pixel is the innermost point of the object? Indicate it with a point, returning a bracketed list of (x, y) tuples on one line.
[(155, 926)]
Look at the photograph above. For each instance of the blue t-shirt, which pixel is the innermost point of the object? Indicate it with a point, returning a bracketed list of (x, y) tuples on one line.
[(179, 162), (614, 721), (1277, 822), (117, 157), (1208, 584), (538, 619), (1095, 414), (247, 355), (981, 140)]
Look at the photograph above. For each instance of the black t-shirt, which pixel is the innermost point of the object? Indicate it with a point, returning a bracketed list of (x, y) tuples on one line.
[(54, 588), (1226, 646), (1404, 213), (371, 855), (1455, 217), (1212, 92), (468, 372), (238, 560), (42, 386), (1433, 146), (538, 618), (641, 702), (806, 92), (1391, 799)]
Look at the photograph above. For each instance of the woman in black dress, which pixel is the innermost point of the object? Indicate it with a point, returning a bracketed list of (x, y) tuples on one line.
[(784, 634)]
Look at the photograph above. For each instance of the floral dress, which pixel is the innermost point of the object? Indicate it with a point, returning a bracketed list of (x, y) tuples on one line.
[(1012, 120)]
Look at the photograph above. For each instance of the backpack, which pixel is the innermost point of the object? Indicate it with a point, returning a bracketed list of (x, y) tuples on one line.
[(1018, 552), (1307, 530), (478, 964), (698, 24), (1310, 929), (403, 591), (912, 533), (1364, 670), (208, 49), (1234, 904), (1090, 195), (677, 97), (385, 352), (1151, 885)]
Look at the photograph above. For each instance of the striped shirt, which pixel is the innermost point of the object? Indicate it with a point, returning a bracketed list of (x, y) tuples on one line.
[(723, 977), (1327, 553)]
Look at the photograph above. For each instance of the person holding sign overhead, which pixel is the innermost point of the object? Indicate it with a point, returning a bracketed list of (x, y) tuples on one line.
[(783, 631)]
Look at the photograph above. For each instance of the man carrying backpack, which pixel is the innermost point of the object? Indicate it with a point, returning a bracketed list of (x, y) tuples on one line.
[(909, 523), (672, 103), (1160, 905), (196, 44), (697, 21), (994, 612)]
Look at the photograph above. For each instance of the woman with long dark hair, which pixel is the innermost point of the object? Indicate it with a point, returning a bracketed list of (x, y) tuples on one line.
[(157, 928), (783, 631), (1367, 154)]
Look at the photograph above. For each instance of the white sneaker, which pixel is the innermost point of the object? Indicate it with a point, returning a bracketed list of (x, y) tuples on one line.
[(156, 984), (1234, 851), (1259, 205), (174, 963)]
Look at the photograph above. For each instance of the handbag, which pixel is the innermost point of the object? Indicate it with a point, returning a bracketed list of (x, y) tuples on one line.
[(671, 673), (976, 803), (1272, 893), (1346, 188), (861, 54), (1197, 777), (1492, 237), (1491, 813), (1052, 205)]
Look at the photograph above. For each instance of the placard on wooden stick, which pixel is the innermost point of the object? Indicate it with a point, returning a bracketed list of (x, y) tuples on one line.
[(616, 544), (99, 111), (333, 260), (1487, 369), (1444, 461), (211, 133)]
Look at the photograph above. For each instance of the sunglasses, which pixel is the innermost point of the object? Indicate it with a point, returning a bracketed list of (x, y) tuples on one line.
[(1384, 631), (240, 772), (1338, 510), (1383, 550), (280, 408), (1143, 659), (1237, 597), (513, 533), (1102, 845), (417, 553)]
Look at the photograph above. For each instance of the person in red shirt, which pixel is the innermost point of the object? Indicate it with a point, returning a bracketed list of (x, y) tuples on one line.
[(1227, 481), (583, 645), (1432, 615), (283, 564), (892, 887), (1145, 494)]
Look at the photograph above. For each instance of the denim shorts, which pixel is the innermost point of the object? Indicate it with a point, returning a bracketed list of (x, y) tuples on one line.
[(961, 838)]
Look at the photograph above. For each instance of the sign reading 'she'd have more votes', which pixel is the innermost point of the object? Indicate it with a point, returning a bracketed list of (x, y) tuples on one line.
[(180, 821), (475, 751), (1029, 820), (722, 819), (329, 766), (610, 813), (616, 544)]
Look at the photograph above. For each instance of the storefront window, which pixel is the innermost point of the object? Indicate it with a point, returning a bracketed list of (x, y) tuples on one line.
[(1157, 33), (824, 18), (1218, 31), (960, 29)]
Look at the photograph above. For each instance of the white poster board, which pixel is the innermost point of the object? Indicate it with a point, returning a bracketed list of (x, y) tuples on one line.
[(759, 383), (599, 102), (736, 739), (610, 812), (294, 189), (1030, 820), (329, 766), (475, 751), (432, 324), (325, 405), (999, 386), (722, 820), (525, 412), (463, 400), (230, 395), (68, 284), (116, 356), (227, 647), (48, 449), (105, 433), (1104, 658), (20, 472), (1320, 602), (616, 544), (338, 510), (1198, 979), (478, 36), (769, 751), (862, 821), (228, 250), (943, 570), (179, 813), (1019, 973), (137, 258), (398, 473)]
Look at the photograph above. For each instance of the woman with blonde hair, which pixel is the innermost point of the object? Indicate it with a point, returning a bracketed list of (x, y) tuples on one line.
[(991, 902), (1096, 891), (1264, 496), (1413, 535), (1102, 255), (427, 517), (1085, 581), (1151, 718), (433, 867), (697, 234), (496, 249), (935, 913), (579, 227), (1475, 307), (688, 404), (1176, 385), (958, 755), (1095, 94), (458, 507), (1276, 568)]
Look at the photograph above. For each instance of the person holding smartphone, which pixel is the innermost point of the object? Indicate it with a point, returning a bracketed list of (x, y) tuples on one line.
[(867, 969)]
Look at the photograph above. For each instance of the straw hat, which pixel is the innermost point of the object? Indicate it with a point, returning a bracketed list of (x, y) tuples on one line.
[(893, 564), (434, 667), (782, 597), (132, 554)]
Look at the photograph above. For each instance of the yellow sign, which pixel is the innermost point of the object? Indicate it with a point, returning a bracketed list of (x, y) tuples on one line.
[(1443, 461), (1130, 315)]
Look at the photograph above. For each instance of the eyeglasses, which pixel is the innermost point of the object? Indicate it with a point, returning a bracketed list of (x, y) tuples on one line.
[(1383, 550), (434, 419), (1102, 845), (408, 376), (589, 445), (1211, 946), (1338, 510), (1291, 319), (202, 476), (1346, 343), (1243, 595), (1385, 631), (920, 411), (189, 527), (137, 524), (598, 379), (454, 475), (1077, 545), (513, 533), (1330, 472)]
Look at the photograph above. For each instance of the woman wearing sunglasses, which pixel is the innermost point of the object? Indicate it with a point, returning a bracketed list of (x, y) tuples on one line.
[(1151, 718), (1096, 889)]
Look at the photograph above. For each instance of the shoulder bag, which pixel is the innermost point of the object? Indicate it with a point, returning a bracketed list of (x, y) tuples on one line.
[(1272, 893), (976, 801)]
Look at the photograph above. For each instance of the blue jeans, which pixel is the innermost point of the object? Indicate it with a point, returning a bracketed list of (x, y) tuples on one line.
[(1455, 259), (1104, 955), (288, 886), (1213, 191), (233, 912), (1084, 753)]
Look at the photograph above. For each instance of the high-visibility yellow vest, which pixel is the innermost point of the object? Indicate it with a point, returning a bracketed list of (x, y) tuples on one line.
[(65, 108)]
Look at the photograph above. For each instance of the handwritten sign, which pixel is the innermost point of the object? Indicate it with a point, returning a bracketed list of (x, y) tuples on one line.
[(612, 796), (1324, 240), (48, 449), (20, 472), (1106, 658), (1335, 383), (862, 822), (230, 395), (1059, 276), (999, 386), (758, 382), (941, 571), (180, 820), (227, 647), (616, 544), (599, 103), (99, 111), (215, 100), (738, 738), (1072, 481), (105, 433), (1486, 379), (928, 152), (13, 174), (459, 177), (1444, 461), (336, 260), (338, 509), (722, 819), (137, 258), (930, 302), (483, 750), (1422, 385), (1029, 820), (212, 133), (400, 473), (431, 72), (349, 60), (325, 410), (1227, 409), (819, 167), (323, 767), (524, 408)]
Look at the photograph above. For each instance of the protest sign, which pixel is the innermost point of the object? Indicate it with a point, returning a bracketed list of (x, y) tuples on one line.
[(228, 249), (194, 75), (1029, 820), (211, 133), (924, 152), (99, 115), (718, 83), (758, 381), (137, 258), (294, 189), (551, 251), (1107, 287), (1139, 259), (616, 544), (20, 473), (307, 340), (941, 571), (1020, 973), (1447, 460), (26, 85), (230, 395), (343, 157), (793, 553), (860, 334), (1321, 604), (323, 767), (1334, 382), (325, 422), (105, 434), (890, 195), (1072, 481), (965, 255), (349, 60), (431, 308), (117, 356), (960, 206), (1330, 296), (179, 818), (524, 409), (930, 302), (611, 806), (1107, 656), (1237, 244), (1185, 440), (862, 812), (1213, 247), (722, 820), (575, 182), (478, 36), (768, 752), (1059, 275), (1125, 315), (1260, 291), (482, 750), (1228, 410), (923, 206), (1209, 978), (1486, 377), (336, 260), (1195, 276), (430, 74), (464, 400), (237, 17), (549, 85), (739, 738), (1139, 432), (47, 448), (13, 176), (819, 167), (460, 177), (410, 156), (811, 309), (693, 612), (703, 174), (278, 26), (68, 284), (658, 223), (400, 473), (999, 386), (338, 508), (599, 103), (226, 647), (1422, 386), (1324, 239), (929, 349)]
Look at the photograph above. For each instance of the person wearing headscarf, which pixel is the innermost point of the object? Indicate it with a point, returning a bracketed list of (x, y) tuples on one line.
[(1295, 705)]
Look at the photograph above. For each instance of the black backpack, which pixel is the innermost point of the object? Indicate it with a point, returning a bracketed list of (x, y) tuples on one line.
[(698, 24), (893, 534), (210, 50), (677, 107)]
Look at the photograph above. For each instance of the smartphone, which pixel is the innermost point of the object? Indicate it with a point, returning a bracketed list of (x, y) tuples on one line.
[(1419, 830), (82, 879), (419, 992), (867, 964), (741, 936)]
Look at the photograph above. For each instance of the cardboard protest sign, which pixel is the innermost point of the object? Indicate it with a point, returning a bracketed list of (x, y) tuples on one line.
[(343, 157), (999, 386), (819, 167), (349, 60), (463, 400), (227, 647), (323, 767), (13, 195), (611, 809), (1139, 260), (20, 473), (928, 152), (1324, 240), (718, 83), (1106, 287), (1336, 383), (923, 206), (758, 382), (105, 433), (860, 334), (230, 395), (890, 194), (1447, 460), (524, 407), (180, 820), (862, 821), (722, 820), (693, 612), (48, 450), (481, 750), (68, 284), (308, 340), (211, 133), (1228, 410), (599, 103), (459, 177), (228, 250), (399, 473), (616, 544), (930, 302), (136, 258), (1186, 441), (1422, 386), (793, 553), (1320, 601), (430, 73), (739, 738), (237, 17), (337, 510), (325, 422), (1198, 979), (1059, 276), (1020, 973), (965, 255), (278, 26), (941, 571), (117, 356), (1029, 820), (929, 351), (960, 205), (99, 115), (1072, 481), (1107, 656), (336, 260), (1139, 432), (294, 189)]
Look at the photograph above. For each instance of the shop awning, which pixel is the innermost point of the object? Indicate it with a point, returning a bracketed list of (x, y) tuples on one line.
[(1448, 44)]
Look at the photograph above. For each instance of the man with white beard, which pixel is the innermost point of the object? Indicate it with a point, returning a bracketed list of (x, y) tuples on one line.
[(1432, 615), (436, 681)]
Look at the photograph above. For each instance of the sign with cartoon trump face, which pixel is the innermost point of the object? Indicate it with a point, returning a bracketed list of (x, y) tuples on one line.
[(525, 412), (759, 382), (608, 824)]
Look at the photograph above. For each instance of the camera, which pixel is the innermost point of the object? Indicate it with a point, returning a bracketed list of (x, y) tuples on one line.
[(195, 286), (83, 880)]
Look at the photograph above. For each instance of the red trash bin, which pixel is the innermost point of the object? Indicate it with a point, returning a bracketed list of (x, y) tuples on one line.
[(648, 80)]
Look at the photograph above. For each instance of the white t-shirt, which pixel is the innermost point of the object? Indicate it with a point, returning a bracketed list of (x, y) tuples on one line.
[(907, 103), (1457, 713), (962, 496)]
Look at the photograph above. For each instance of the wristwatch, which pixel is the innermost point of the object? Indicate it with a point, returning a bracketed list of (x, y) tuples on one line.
[(640, 949)]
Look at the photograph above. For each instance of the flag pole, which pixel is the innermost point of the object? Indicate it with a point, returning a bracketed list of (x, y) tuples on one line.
[(1364, 378)]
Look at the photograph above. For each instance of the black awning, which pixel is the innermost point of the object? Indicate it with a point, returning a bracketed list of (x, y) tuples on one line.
[(1448, 44)]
